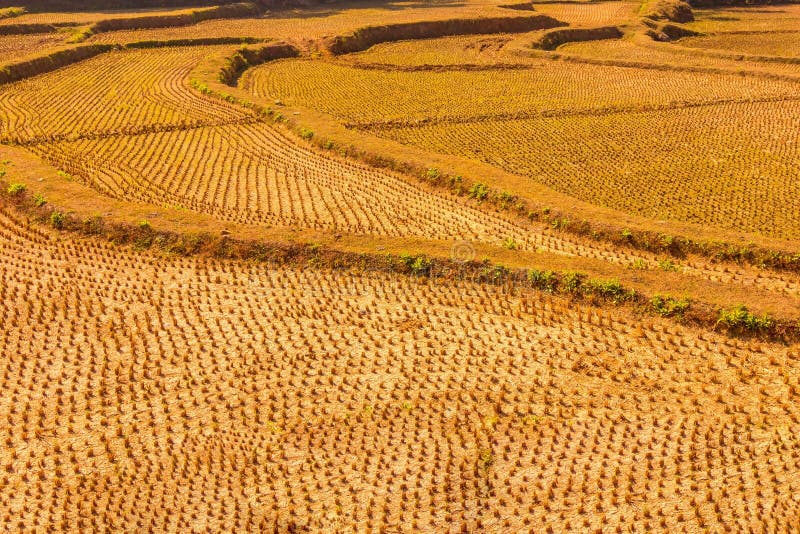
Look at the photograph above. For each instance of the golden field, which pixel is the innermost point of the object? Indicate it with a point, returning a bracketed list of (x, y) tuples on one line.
[(400, 267)]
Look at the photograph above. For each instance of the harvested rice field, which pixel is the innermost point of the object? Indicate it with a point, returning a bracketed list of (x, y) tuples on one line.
[(433, 267)]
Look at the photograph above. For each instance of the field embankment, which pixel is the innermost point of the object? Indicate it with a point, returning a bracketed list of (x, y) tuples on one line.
[(245, 58), (43, 6), (367, 37), (552, 39), (32, 67), (238, 10), (671, 10)]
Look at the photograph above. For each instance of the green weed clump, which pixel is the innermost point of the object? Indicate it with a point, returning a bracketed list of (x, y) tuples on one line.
[(16, 189), (544, 280), (419, 265), (572, 282), (739, 318), (57, 220), (667, 306), (11, 12), (479, 191), (609, 289)]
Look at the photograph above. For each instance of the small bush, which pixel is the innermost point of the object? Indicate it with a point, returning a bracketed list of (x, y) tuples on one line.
[(506, 198), (638, 265), (495, 274), (39, 201), (306, 134), (572, 281), (11, 12), (432, 175), (16, 189), (479, 191), (668, 265), (419, 265), (667, 306), (57, 219), (610, 289), (741, 319), (510, 243), (545, 280), (559, 223)]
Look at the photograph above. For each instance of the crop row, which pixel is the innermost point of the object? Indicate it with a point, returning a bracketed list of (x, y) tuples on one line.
[(117, 91), (283, 398), (732, 166), (784, 44), (13, 47), (359, 95), (252, 173), (673, 56)]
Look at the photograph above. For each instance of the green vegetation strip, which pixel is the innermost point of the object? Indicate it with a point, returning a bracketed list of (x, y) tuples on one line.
[(737, 320)]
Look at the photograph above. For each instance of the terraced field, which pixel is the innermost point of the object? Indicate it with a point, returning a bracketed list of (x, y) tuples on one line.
[(118, 92), (673, 56), (13, 47), (625, 142), (318, 400), (541, 88), (764, 18), (253, 174), (782, 44), (437, 285), (729, 165), (305, 26), (591, 14), (86, 17)]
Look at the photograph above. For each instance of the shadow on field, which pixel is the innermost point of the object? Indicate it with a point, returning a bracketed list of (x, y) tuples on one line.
[(338, 8)]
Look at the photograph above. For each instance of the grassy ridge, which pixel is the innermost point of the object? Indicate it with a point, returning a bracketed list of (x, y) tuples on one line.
[(552, 39), (11, 12), (371, 35), (39, 6), (245, 58), (32, 67), (736, 320), (238, 10)]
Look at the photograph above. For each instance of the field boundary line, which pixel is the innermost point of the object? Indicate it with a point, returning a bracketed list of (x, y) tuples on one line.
[(130, 132), (545, 114)]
